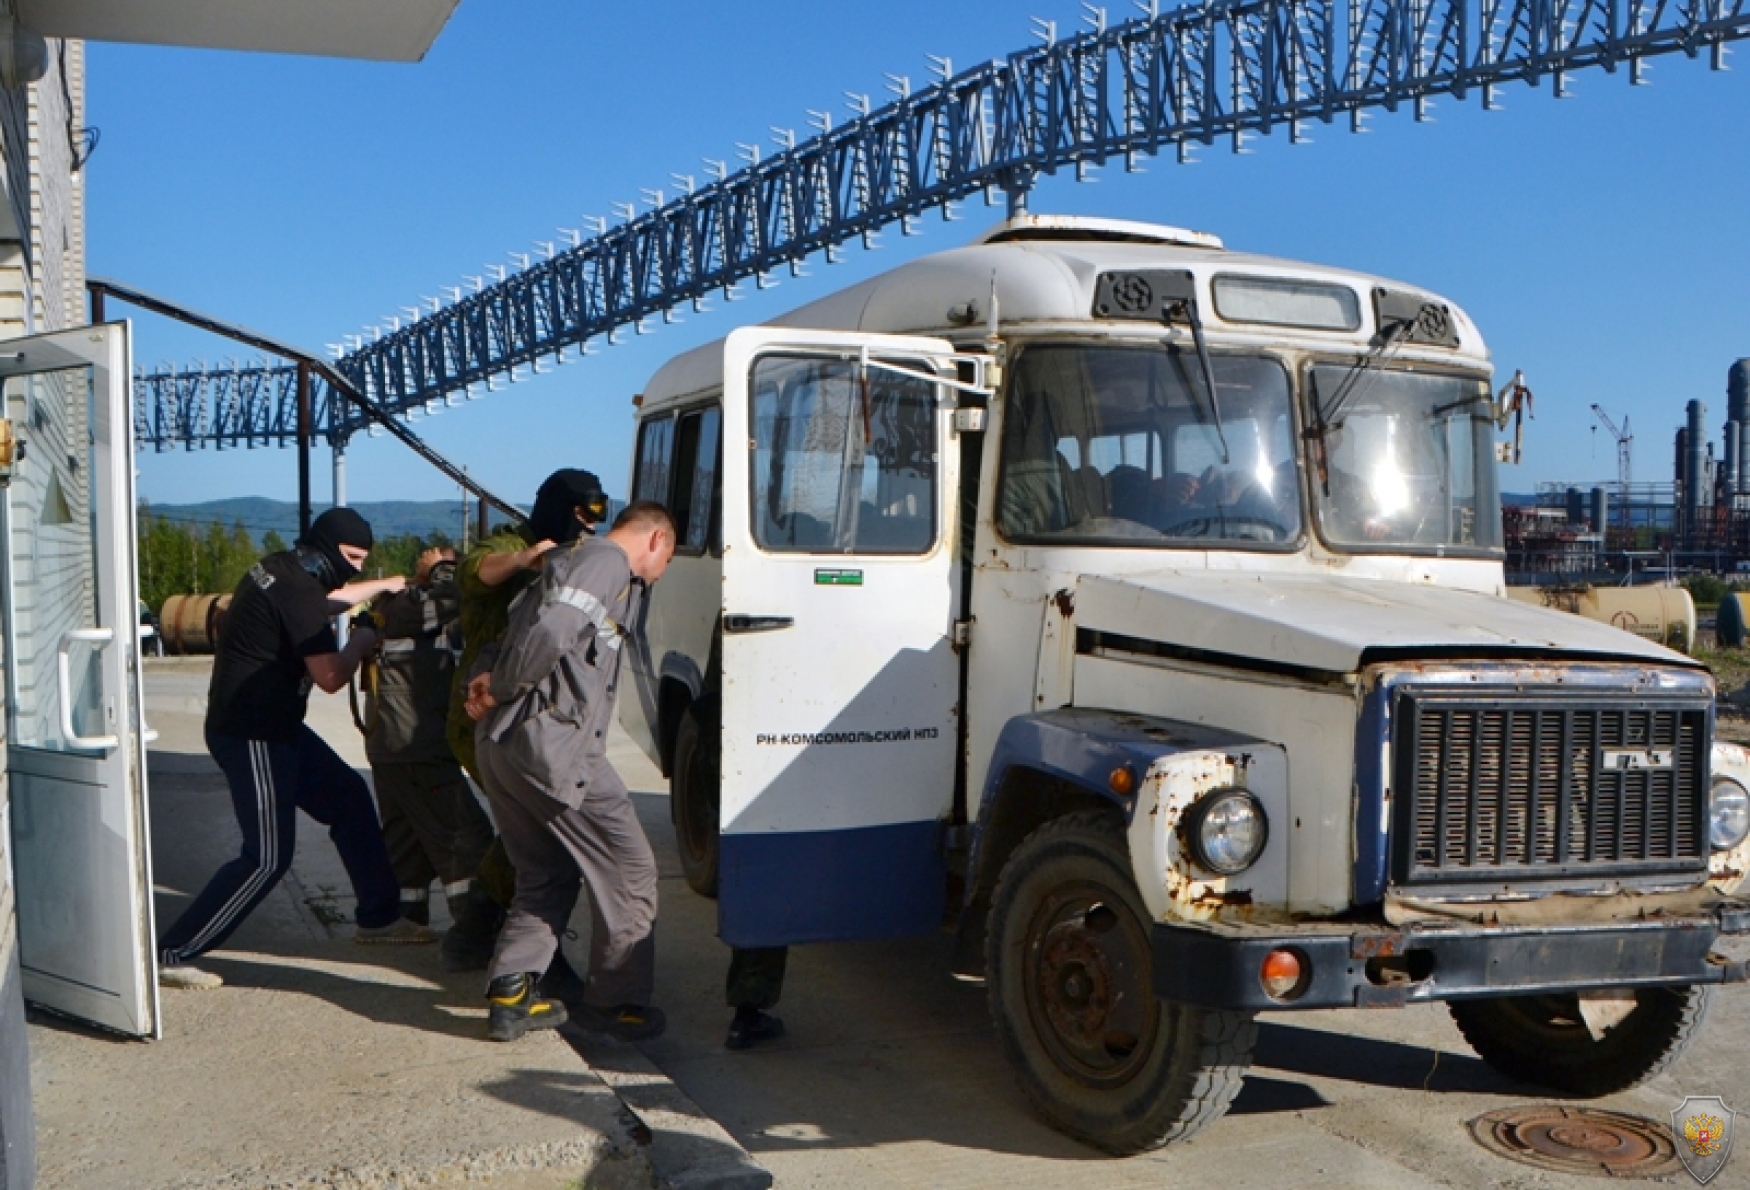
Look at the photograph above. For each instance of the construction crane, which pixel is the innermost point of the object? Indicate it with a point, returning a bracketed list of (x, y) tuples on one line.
[(1624, 460)]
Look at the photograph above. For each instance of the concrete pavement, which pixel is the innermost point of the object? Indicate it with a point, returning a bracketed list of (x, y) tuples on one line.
[(321, 1062), (890, 1075)]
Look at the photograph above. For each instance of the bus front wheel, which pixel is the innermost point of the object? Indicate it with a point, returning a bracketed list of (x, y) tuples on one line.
[(1070, 981)]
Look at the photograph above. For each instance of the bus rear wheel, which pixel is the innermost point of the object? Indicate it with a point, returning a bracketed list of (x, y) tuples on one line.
[(1544, 1040), (1070, 978), (695, 787)]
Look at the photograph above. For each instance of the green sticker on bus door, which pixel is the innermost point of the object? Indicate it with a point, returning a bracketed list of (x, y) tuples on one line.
[(838, 578)]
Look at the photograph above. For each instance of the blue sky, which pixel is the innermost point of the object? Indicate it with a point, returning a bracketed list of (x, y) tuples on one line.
[(1600, 241)]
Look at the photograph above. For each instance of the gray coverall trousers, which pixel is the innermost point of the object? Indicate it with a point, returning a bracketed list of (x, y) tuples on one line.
[(557, 848)]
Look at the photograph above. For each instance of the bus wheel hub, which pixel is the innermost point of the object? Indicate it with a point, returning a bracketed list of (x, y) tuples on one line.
[(1075, 983)]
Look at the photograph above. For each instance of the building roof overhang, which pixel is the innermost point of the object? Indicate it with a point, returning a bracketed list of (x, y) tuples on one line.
[(377, 30)]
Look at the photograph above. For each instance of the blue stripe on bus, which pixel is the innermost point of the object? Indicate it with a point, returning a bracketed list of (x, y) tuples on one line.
[(830, 886)]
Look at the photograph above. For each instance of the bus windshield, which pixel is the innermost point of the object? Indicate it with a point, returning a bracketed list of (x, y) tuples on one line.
[(1116, 445), (1405, 460)]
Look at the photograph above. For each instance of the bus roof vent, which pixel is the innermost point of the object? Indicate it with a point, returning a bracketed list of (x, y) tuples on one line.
[(1074, 228)]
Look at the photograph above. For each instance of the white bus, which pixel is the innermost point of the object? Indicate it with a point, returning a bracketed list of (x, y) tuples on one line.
[(1137, 607)]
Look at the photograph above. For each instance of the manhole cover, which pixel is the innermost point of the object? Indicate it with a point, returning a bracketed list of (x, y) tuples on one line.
[(1578, 1140)]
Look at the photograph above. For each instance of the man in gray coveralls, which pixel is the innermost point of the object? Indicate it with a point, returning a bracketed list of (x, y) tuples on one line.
[(543, 710)]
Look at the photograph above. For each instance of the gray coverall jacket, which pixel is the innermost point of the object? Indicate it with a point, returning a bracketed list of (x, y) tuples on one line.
[(554, 677)]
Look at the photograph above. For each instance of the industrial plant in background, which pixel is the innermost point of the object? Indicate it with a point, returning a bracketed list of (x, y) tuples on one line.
[(1699, 522)]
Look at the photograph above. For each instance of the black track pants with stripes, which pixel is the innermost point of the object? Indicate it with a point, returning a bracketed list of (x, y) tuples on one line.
[(271, 780)]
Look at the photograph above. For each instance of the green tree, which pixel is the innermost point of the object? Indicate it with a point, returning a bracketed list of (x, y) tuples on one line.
[(169, 559), (177, 558), (182, 559), (399, 554), (1705, 589)]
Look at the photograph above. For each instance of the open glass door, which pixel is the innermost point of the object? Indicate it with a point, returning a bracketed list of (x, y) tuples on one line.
[(840, 681), (75, 755)]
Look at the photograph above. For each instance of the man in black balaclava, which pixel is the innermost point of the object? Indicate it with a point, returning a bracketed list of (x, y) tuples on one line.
[(277, 640), (319, 551), (569, 504)]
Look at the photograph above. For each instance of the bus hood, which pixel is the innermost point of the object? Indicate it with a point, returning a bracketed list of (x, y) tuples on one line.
[(1327, 623)]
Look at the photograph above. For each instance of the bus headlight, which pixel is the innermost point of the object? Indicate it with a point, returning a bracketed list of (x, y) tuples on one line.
[(1227, 831), (1728, 814)]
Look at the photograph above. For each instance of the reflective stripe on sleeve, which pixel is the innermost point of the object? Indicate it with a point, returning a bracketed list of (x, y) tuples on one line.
[(607, 631)]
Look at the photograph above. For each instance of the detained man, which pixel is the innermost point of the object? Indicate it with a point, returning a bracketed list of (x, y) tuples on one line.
[(565, 816), (569, 504)]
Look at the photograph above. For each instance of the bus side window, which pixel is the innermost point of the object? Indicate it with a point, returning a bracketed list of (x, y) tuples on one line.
[(655, 451), (696, 486)]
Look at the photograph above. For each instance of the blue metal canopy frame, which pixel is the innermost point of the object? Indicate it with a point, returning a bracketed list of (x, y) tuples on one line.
[(1175, 80)]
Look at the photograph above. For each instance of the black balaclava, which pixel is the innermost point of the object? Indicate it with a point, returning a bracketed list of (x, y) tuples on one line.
[(319, 549), (561, 492)]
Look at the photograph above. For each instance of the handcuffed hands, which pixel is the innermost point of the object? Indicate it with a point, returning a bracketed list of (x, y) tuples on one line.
[(479, 700)]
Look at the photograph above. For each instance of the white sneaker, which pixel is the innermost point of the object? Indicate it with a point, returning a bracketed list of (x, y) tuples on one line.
[(400, 932), (191, 979)]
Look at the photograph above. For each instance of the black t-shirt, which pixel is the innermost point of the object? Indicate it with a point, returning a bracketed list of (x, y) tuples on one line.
[(278, 617)]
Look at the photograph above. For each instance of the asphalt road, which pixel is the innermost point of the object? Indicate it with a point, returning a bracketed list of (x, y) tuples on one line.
[(890, 1076)]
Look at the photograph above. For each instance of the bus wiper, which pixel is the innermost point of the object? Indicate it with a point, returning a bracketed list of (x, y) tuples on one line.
[(1325, 415), (1315, 434), (1187, 308), (1143, 295), (1388, 344)]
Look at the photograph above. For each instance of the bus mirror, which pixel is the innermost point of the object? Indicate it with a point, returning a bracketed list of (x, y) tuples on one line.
[(1512, 404)]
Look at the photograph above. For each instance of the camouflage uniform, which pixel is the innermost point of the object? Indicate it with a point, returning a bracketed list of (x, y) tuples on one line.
[(433, 825), (485, 610)]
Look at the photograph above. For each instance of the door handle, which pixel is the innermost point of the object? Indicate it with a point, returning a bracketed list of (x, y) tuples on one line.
[(736, 622), (148, 735), (97, 637)]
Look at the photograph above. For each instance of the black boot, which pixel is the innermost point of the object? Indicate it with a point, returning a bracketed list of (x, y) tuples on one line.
[(628, 1022), (468, 943), (751, 1026), (515, 1009), (561, 981)]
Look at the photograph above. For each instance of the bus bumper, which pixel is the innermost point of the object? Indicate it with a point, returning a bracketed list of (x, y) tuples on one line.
[(1212, 966)]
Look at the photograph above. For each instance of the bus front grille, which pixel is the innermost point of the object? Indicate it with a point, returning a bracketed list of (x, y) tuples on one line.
[(1523, 788)]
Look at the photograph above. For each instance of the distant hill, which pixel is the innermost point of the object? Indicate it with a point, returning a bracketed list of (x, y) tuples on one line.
[(258, 514), (389, 518)]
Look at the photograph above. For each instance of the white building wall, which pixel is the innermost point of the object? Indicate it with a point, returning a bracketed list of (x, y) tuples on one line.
[(42, 288)]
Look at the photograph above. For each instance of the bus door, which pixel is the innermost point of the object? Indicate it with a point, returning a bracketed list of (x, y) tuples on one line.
[(839, 675)]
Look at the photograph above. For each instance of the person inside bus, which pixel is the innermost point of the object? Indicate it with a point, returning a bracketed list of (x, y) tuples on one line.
[(1172, 500), (1236, 494), (1127, 490)]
